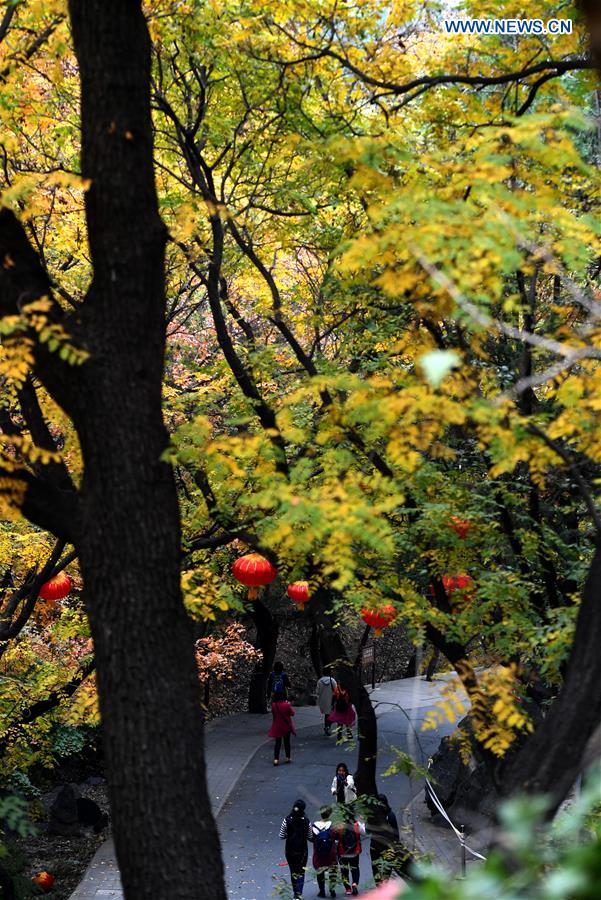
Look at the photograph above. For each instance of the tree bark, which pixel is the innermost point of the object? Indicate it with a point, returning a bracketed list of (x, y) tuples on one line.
[(266, 641), (165, 836), (592, 14), (550, 760), (315, 651)]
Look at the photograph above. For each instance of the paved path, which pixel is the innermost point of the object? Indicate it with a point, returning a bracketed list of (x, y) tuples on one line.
[(249, 809)]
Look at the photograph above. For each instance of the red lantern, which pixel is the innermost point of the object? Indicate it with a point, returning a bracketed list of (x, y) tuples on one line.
[(448, 583), (299, 592), (379, 618), (463, 582), (44, 880), (460, 526), (254, 571), (452, 583), (56, 588)]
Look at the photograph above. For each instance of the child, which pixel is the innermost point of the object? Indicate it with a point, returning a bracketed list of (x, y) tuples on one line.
[(277, 681), (325, 854)]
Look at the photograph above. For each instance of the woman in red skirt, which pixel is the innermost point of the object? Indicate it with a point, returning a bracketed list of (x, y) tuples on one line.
[(343, 713)]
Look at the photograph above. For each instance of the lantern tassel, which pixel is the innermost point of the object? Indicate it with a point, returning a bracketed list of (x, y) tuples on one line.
[(253, 593)]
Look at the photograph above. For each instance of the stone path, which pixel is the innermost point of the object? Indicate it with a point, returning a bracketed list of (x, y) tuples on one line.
[(233, 742)]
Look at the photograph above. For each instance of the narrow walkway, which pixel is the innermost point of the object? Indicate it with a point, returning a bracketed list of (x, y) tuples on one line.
[(231, 744)]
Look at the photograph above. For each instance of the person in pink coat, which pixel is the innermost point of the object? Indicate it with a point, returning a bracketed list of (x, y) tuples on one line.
[(343, 713), (282, 725)]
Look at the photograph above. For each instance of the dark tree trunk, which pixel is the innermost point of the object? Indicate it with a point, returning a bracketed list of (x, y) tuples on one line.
[(333, 651), (550, 760), (165, 836), (124, 520), (411, 669), (266, 641), (592, 14), (7, 888), (315, 651)]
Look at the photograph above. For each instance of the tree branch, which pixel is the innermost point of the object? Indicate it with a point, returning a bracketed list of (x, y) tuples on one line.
[(582, 486), (52, 701)]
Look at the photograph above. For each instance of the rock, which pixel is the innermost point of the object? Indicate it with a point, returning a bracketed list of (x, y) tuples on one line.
[(466, 790), (64, 818), (90, 815)]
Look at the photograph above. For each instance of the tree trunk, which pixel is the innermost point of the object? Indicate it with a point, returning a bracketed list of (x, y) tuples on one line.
[(7, 888), (551, 759), (125, 521), (315, 651), (266, 641)]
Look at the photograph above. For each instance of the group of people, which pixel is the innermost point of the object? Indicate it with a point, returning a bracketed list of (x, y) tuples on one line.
[(336, 836), (335, 704), (333, 700), (337, 845)]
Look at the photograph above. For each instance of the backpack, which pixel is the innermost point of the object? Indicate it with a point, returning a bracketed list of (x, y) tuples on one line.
[(341, 704), (278, 682), (324, 840), (296, 832), (350, 841)]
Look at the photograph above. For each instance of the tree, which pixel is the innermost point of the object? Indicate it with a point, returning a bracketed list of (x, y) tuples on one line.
[(124, 519)]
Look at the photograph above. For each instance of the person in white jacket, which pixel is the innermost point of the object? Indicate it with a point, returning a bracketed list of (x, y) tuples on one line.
[(325, 691), (343, 785)]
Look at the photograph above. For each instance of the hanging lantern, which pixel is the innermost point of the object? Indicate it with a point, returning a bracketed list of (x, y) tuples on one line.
[(463, 582), (448, 583), (298, 591), (379, 618), (254, 571), (44, 880), (452, 583), (56, 588), (460, 526)]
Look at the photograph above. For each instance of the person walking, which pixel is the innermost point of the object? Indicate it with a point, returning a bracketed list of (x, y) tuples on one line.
[(325, 853), (296, 831), (278, 681), (326, 686), (349, 849), (343, 713), (343, 785), (386, 842), (282, 726)]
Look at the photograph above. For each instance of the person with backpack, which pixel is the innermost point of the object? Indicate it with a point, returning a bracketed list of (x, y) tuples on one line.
[(282, 726), (343, 713), (326, 686), (343, 785), (296, 831), (278, 681), (349, 849), (325, 853)]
